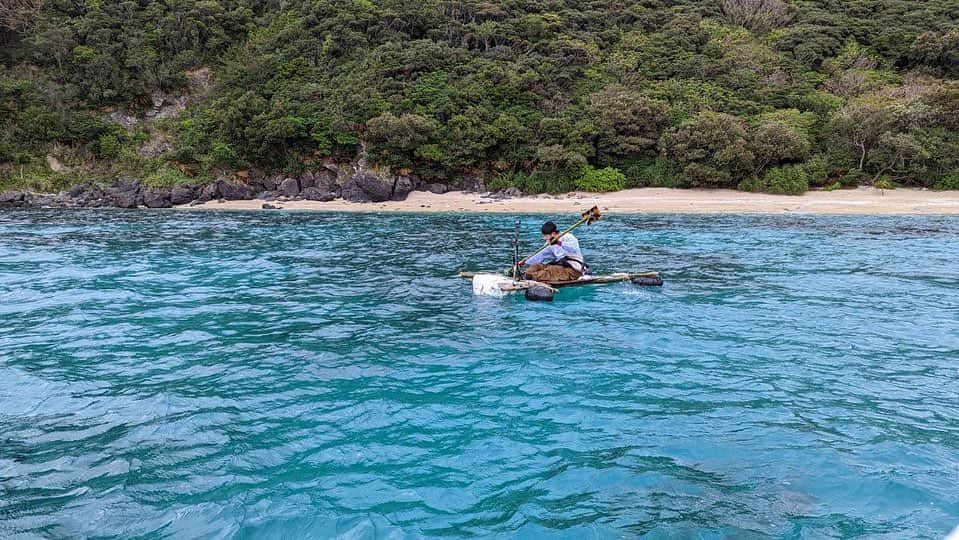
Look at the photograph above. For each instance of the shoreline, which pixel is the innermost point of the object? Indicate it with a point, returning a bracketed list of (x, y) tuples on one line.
[(859, 201)]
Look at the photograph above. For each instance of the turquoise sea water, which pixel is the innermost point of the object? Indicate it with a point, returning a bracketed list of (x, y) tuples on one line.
[(293, 375)]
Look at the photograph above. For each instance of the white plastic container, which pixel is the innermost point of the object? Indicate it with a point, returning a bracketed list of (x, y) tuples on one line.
[(490, 285)]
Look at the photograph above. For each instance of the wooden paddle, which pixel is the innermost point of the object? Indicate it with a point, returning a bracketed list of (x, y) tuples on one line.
[(589, 217)]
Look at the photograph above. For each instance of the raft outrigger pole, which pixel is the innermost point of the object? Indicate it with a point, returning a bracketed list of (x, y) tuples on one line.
[(516, 250)]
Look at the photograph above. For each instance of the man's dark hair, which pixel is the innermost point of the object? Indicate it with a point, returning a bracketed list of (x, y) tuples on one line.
[(549, 227)]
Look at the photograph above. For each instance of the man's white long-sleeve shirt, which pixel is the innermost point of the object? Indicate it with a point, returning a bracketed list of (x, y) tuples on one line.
[(567, 248)]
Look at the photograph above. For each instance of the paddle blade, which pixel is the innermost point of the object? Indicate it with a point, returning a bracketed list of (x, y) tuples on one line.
[(592, 215)]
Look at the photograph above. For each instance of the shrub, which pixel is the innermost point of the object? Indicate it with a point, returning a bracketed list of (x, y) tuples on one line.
[(884, 182), (788, 180), (538, 182), (109, 146), (601, 180), (816, 170), (661, 173), (950, 182), (555, 184), (852, 178), (833, 187), (497, 183), (167, 177)]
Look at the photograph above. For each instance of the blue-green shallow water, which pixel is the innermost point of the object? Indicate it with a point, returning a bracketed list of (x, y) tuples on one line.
[(308, 375)]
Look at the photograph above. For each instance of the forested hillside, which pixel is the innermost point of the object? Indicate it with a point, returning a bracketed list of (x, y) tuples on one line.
[(544, 95)]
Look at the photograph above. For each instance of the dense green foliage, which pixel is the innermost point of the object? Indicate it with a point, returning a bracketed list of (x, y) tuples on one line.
[(601, 180), (787, 180), (541, 95), (948, 183)]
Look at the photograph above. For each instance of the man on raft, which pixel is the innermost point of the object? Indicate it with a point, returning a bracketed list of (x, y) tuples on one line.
[(566, 264)]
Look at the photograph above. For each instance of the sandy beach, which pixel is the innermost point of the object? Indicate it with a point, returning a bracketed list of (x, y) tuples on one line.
[(861, 201)]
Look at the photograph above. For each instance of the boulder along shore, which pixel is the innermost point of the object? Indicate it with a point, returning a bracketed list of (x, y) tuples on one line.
[(351, 182)]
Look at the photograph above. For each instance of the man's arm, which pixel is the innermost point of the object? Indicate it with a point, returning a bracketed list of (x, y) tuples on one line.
[(556, 250), (538, 258)]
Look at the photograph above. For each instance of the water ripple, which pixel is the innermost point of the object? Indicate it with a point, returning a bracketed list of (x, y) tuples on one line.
[(309, 375)]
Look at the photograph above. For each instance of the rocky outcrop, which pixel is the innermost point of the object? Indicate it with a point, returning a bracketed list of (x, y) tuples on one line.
[(290, 187), (266, 183), (472, 183), (362, 183), (12, 199), (352, 192), (121, 193), (353, 181), (317, 194), (157, 198), (402, 187), (236, 192), (209, 192), (183, 195), (376, 188), (438, 189), (125, 192)]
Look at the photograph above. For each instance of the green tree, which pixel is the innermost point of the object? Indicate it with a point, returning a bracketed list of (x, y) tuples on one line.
[(396, 140), (628, 123), (711, 150)]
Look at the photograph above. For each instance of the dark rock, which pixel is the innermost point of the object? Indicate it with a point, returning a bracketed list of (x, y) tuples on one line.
[(402, 186), (236, 192), (61, 201), (268, 206), (307, 180), (125, 183), (324, 177), (125, 199), (377, 189), (510, 193), (209, 192), (182, 194), (324, 180), (472, 183), (77, 191), (125, 192), (267, 183), (352, 192), (87, 195), (15, 199), (316, 194), (438, 189), (333, 168), (40, 200), (290, 187), (10, 197), (267, 196), (157, 198)]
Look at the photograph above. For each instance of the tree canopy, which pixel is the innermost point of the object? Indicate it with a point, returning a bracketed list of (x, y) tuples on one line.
[(538, 94)]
